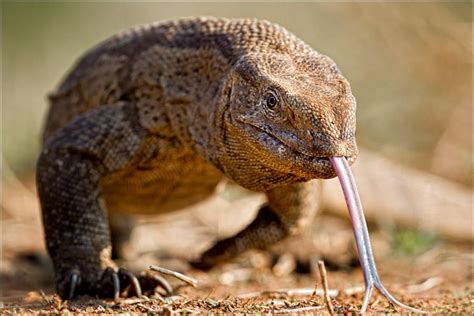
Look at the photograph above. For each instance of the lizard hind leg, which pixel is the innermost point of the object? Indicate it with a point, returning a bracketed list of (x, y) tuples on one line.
[(289, 209)]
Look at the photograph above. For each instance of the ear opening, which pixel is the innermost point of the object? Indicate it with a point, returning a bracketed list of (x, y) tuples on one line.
[(247, 67)]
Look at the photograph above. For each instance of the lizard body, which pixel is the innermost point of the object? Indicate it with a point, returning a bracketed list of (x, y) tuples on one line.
[(153, 119)]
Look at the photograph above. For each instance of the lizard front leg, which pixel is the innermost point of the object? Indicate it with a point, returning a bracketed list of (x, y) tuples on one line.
[(70, 169), (289, 209)]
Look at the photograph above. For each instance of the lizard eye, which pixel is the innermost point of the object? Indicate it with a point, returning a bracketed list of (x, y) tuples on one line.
[(271, 100)]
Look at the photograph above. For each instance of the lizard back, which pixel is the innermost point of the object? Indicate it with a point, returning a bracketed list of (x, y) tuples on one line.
[(173, 72), (106, 74)]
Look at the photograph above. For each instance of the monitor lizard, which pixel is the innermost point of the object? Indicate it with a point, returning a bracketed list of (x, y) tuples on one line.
[(154, 118)]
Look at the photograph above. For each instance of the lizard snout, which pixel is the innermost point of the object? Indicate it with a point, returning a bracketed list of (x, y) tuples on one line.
[(344, 148), (322, 145)]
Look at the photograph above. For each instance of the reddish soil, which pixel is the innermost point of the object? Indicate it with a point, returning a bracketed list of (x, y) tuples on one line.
[(437, 279)]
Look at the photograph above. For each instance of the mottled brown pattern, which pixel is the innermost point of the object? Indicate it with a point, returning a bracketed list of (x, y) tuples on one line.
[(154, 118)]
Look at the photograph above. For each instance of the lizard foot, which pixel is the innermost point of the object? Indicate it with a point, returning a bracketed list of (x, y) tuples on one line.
[(201, 264), (112, 284), (219, 253), (150, 282)]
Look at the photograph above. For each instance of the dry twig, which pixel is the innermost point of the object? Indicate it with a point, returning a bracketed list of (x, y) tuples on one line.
[(45, 298), (425, 286), (324, 281), (148, 309), (180, 276), (300, 309), (377, 301), (305, 292)]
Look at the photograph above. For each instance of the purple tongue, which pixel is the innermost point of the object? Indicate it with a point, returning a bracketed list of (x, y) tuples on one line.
[(359, 226)]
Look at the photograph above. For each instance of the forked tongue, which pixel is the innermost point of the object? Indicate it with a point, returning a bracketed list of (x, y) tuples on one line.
[(361, 234)]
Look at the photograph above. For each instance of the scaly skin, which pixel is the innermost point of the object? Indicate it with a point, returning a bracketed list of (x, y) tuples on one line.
[(153, 119)]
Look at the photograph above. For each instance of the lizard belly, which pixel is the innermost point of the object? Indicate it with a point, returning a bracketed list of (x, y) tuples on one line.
[(163, 186)]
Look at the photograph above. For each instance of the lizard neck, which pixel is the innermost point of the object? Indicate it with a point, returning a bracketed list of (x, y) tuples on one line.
[(196, 118), (206, 126), (192, 82)]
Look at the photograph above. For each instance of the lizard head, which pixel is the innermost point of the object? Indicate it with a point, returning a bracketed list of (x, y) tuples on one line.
[(292, 113)]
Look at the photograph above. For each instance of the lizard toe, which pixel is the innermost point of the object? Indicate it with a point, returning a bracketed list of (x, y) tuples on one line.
[(109, 284), (150, 282), (113, 283), (129, 283), (70, 286)]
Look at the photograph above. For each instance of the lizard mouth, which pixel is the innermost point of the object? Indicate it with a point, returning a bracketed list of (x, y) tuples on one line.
[(301, 163)]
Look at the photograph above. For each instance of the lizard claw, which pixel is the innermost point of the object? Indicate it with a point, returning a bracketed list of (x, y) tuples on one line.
[(109, 276), (164, 284), (113, 283), (150, 282), (131, 278), (74, 282)]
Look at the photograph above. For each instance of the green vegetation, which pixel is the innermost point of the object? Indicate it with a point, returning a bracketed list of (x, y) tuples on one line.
[(406, 241)]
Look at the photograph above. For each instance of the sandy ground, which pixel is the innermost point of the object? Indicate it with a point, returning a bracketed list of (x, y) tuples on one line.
[(437, 278)]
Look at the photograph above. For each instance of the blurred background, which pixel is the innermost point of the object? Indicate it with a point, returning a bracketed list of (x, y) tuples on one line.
[(409, 65)]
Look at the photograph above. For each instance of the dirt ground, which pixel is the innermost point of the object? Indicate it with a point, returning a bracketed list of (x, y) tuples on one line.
[(430, 274)]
